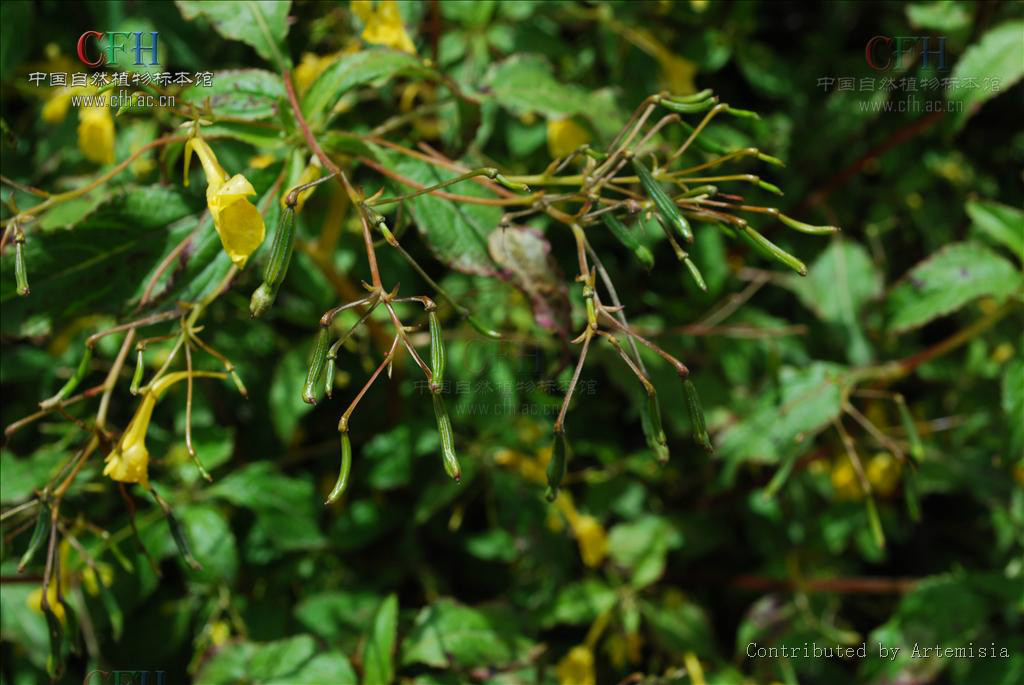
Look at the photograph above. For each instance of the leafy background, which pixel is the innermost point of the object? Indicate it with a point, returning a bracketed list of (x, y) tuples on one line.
[(667, 572)]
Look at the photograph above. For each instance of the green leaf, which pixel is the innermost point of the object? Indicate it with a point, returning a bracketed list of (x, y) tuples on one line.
[(470, 637), (679, 626), (524, 84), (1002, 223), (1013, 402), (341, 617), (839, 283), (378, 655), (350, 71), (291, 661), (996, 60), (642, 547), (101, 260), (212, 543), (945, 15), (263, 24), (579, 603), (240, 93), (456, 233), (946, 281), (770, 430)]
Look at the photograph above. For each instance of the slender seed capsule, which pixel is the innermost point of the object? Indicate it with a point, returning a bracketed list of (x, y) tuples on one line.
[(139, 369), (772, 250), (703, 143), (482, 328), (650, 420), (910, 428), (444, 427), (20, 270), (316, 366), (875, 522), (693, 97), (695, 273), (277, 265), (329, 377), (742, 113), (346, 467), (628, 240), (178, 533), (39, 534), (668, 209), (437, 358), (72, 383), (556, 467), (807, 228), (690, 107), (700, 430)]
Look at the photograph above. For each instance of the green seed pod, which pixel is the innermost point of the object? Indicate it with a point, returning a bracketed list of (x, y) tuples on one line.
[(39, 535), (482, 328), (695, 273), (668, 209), (444, 427), (628, 240), (691, 98), (437, 359), (556, 467), (139, 369), (909, 427), (700, 431), (277, 264), (690, 107), (875, 522), (178, 533), (769, 248), (807, 228), (329, 377), (20, 270), (650, 420), (346, 467), (770, 187), (742, 113), (72, 383), (316, 366)]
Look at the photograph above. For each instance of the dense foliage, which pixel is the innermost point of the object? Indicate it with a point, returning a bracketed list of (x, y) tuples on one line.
[(856, 476)]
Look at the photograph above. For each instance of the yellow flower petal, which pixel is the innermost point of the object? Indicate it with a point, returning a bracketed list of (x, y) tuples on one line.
[(565, 136), (96, 134), (577, 667), (592, 540), (383, 25), (56, 108)]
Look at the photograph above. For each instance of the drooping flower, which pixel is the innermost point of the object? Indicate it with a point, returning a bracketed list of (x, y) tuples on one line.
[(35, 598), (577, 667), (565, 136), (238, 221), (96, 134), (129, 462), (382, 25), (592, 540)]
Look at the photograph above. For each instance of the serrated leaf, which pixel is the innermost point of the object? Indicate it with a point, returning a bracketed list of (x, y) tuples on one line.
[(378, 655), (240, 93), (263, 24), (524, 84), (1002, 223), (100, 260), (457, 233), (772, 429), (996, 59), (946, 281), (579, 603), (350, 71), (840, 281), (446, 634)]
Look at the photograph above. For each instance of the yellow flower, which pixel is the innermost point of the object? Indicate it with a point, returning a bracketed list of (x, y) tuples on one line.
[(592, 539), (310, 68), (577, 667), (129, 462), (383, 25), (91, 581), (35, 598), (56, 108), (883, 472), (96, 134), (565, 136), (220, 631), (238, 222), (845, 480)]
